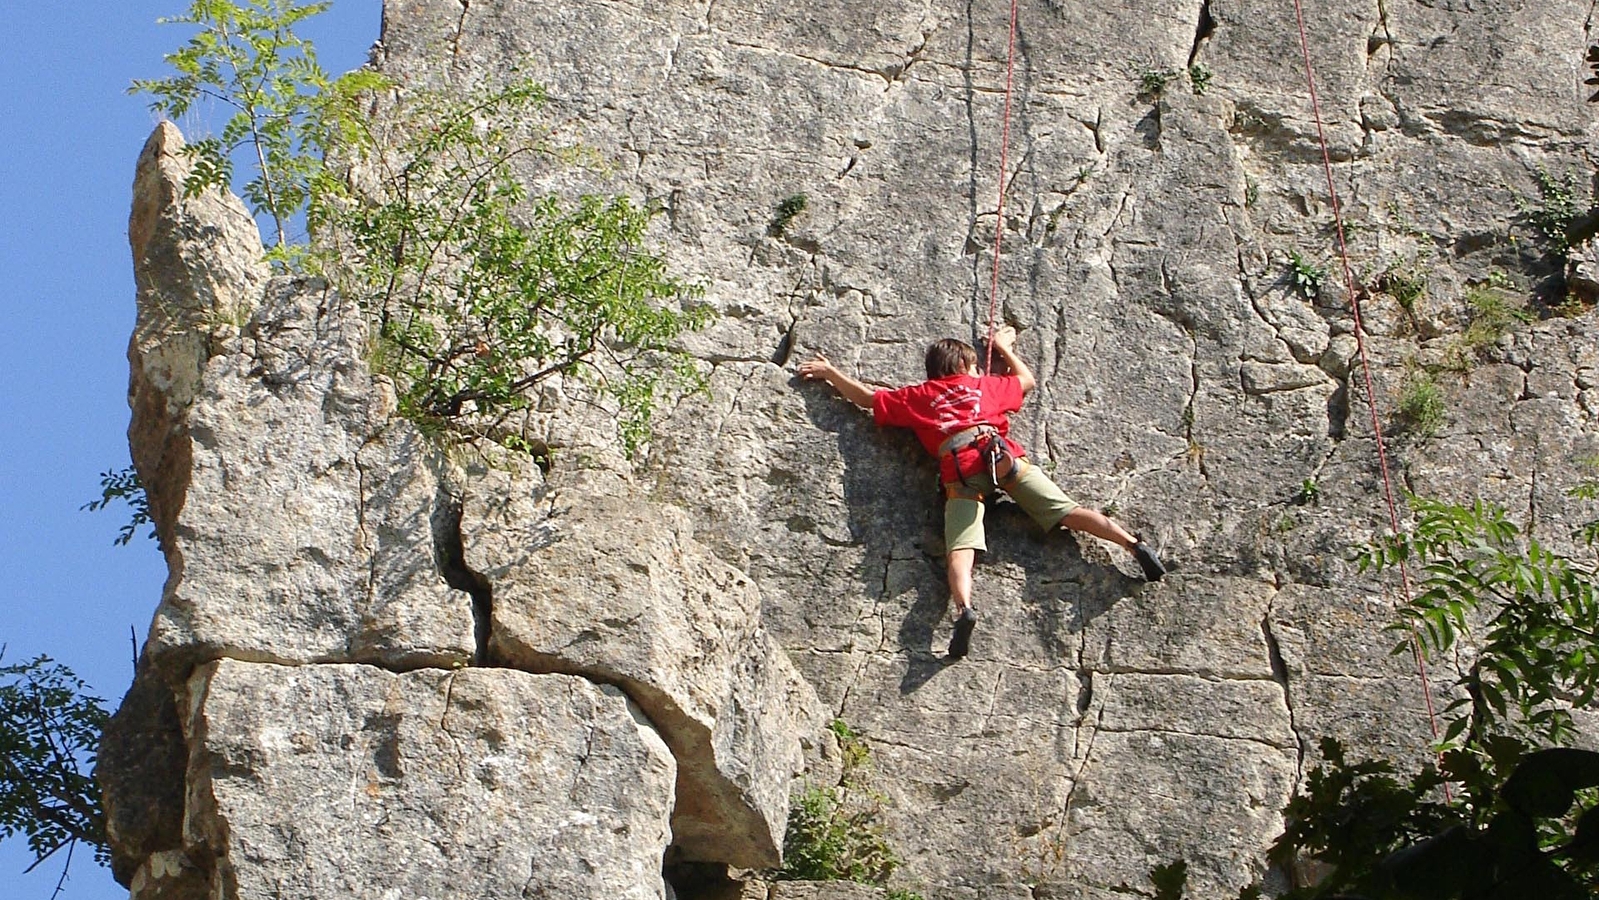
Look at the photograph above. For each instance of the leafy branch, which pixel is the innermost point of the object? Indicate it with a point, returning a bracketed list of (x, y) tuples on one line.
[(49, 734), (476, 289), (124, 485)]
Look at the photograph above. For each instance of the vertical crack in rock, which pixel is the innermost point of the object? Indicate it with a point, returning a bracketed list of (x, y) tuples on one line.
[(368, 544), (460, 29), (450, 556), (1203, 29), (1381, 35), (1532, 494), (1279, 674), (1077, 777)]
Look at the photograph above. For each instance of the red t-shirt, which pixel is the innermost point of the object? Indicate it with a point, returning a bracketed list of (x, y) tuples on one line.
[(936, 409)]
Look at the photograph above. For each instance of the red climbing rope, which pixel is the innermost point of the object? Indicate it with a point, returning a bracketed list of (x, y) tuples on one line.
[(999, 221), (1365, 363)]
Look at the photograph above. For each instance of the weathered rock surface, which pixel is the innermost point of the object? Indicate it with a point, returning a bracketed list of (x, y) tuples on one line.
[(618, 590), (1101, 726), (350, 781), (305, 524), (294, 512), (141, 763)]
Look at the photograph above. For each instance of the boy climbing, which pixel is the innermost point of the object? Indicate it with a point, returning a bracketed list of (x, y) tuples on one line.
[(963, 419)]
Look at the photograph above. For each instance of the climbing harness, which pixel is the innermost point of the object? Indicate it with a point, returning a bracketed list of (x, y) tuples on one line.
[(1365, 367), (999, 216), (991, 449)]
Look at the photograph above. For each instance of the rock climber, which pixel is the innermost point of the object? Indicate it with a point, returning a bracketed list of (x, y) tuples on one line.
[(963, 419)]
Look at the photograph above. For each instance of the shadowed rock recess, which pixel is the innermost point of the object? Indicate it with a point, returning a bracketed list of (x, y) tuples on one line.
[(376, 672)]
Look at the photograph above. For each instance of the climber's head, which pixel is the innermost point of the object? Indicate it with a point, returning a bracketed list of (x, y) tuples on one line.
[(950, 357)]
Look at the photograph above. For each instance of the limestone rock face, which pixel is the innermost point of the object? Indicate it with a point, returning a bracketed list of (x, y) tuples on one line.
[(1188, 382), (350, 781), (1100, 727), (308, 529), (294, 513), (619, 590)]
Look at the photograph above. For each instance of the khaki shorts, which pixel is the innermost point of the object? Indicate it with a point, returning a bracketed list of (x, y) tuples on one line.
[(1032, 490)]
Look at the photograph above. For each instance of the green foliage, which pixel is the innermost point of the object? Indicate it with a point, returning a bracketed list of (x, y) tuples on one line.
[(1522, 827), (1309, 493), (477, 290), (1305, 276), (1555, 211), (1406, 284), (1153, 81), (1494, 314), (1588, 490), (1199, 78), (49, 733), (788, 209), (836, 833), (1535, 651), (1524, 821), (285, 109), (1421, 404), (124, 486)]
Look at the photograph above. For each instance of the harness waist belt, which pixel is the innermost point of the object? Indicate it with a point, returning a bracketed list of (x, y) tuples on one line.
[(964, 437)]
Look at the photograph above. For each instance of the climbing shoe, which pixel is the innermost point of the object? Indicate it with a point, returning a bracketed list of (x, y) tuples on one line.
[(1148, 561), (961, 641)]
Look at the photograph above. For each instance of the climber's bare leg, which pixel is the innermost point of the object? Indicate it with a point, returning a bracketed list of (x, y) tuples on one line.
[(959, 564), (1095, 523)]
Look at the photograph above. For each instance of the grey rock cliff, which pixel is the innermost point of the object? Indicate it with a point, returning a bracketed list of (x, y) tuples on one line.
[(307, 531), (1100, 726)]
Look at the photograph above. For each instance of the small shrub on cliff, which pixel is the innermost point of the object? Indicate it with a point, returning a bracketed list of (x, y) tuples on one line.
[(836, 833), (1555, 211), (1421, 404), (477, 290)]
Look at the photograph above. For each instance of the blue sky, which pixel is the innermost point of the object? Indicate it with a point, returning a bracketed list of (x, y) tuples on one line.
[(69, 142)]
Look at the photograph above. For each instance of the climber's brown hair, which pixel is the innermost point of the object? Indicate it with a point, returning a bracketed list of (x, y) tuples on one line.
[(950, 357)]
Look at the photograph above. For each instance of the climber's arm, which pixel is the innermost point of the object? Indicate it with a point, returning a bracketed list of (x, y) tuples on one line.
[(1004, 344), (852, 390)]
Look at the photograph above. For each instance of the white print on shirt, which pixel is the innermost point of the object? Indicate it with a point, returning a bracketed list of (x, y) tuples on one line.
[(959, 406)]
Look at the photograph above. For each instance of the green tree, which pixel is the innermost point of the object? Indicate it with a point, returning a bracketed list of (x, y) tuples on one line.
[(477, 290), (286, 111), (1523, 819), (49, 734)]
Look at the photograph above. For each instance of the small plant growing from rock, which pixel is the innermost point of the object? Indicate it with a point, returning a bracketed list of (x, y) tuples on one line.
[(1421, 404), (1199, 78), (1153, 80), (1553, 213), (1305, 276), (836, 833), (1406, 284), (1309, 493), (788, 209), (1494, 313)]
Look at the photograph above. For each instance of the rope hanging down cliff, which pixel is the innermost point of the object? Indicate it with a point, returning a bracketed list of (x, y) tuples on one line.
[(1365, 363), (999, 213)]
